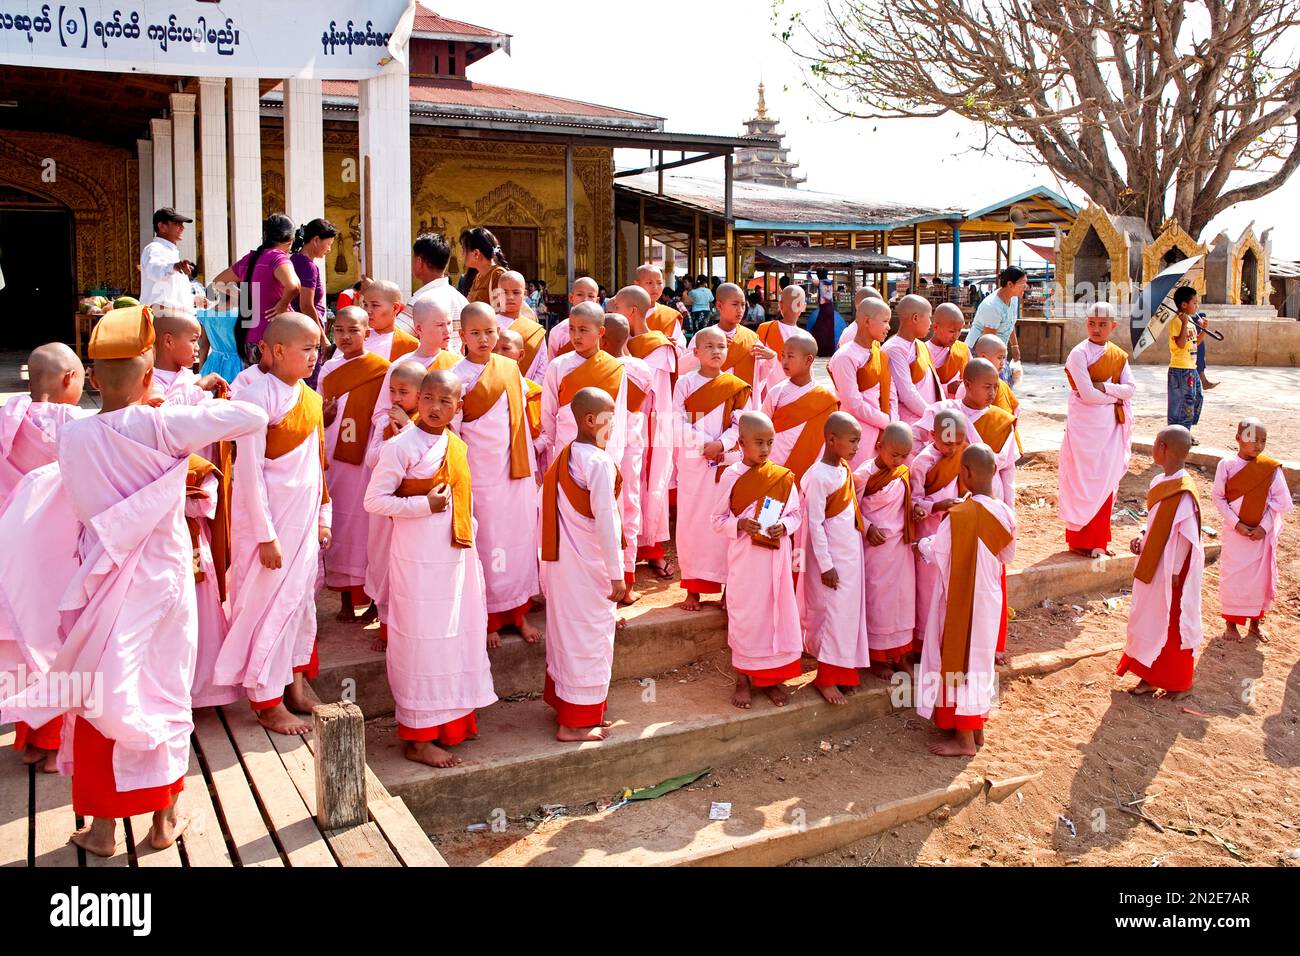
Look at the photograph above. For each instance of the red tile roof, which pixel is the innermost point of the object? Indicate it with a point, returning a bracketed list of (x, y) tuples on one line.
[(426, 21)]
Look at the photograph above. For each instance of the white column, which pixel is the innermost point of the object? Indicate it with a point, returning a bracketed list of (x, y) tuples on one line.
[(384, 125), (212, 150), (144, 162), (304, 151), (160, 131), (183, 170), (245, 165)]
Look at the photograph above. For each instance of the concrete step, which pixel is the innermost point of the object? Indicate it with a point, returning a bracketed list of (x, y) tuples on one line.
[(679, 723), (658, 635)]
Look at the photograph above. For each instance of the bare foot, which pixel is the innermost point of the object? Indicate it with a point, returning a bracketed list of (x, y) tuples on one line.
[(278, 720), (1143, 688), (692, 602), (831, 693), (371, 615), (1256, 633), (379, 644), (962, 744), (167, 826), (1081, 552), (1002, 658), (1230, 632), (619, 624), (723, 602), (1177, 694), (777, 695), (572, 735), (427, 752), (299, 696), (529, 633), (539, 600), (51, 764), (631, 597), (32, 755), (883, 670), (100, 838), (741, 696), (979, 737), (493, 640)]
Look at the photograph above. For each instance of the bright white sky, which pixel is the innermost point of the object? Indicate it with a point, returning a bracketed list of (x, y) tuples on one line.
[(698, 64)]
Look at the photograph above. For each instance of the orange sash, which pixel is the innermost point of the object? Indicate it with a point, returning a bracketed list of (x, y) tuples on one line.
[(1153, 546), (219, 526), (404, 343), (1008, 402), (390, 430), (770, 335), (922, 362), (662, 319), (533, 405), (502, 375), (845, 496), (943, 472), (360, 379), (970, 523), (876, 369), (810, 410), (723, 389), (994, 427), (292, 430), (955, 363), (1108, 368), (534, 335), (878, 482), (740, 354), (454, 473), (444, 361), (767, 480), (601, 371), (1252, 485), (557, 477)]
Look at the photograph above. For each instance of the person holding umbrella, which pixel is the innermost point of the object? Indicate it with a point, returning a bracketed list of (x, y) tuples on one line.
[(1185, 393)]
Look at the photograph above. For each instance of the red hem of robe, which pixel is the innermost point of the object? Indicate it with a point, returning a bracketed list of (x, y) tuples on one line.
[(512, 618), (383, 633), (833, 675), (358, 591), (1234, 619), (771, 676), (629, 578), (700, 586), (1002, 628), (947, 718), (672, 497), (261, 705), (312, 667), (94, 789), (449, 734), (45, 737), (1096, 533), (572, 715), (892, 655), (651, 552), (1174, 669)]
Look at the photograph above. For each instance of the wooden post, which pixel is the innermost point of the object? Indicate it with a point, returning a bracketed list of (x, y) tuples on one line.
[(708, 253), (340, 731), (916, 257), (640, 237), (570, 243)]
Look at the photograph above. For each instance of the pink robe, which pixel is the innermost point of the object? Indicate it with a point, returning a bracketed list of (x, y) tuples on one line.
[(1004, 483), (774, 374), (128, 616), (505, 508), (29, 435), (891, 567), (701, 556), (939, 355), (689, 362), (1248, 569), (244, 379), (1149, 615), (912, 399), (927, 575), (657, 475), (381, 343), (864, 405), (974, 697), (345, 561), (1095, 451), (213, 620), (559, 428), (272, 611), (834, 621), (557, 339), (782, 394), (763, 628), (536, 371), (179, 387), (639, 374), (580, 618), (379, 531), (437, 656)]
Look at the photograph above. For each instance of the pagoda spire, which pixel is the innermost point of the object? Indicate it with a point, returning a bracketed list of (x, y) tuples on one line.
[(764, 162)]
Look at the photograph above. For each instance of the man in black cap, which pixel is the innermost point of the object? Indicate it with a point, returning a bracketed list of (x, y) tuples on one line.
[(164, 275)]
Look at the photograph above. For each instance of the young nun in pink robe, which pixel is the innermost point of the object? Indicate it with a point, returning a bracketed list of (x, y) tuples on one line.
[(832, 584), (763, 628), (494, 424), (638, 396), (582, 572), (203, 494), (799, 407), (1251, 494), (1098, 430), (280, 520), (885, 485), (956, 679), (176, 351), (707, 403), (1164, 623), (128, 617), (936, 486), (437, 659), (860, 373), (30, 424), (912, 377)]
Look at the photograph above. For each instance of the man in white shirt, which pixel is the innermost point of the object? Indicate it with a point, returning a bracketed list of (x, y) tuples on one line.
[(164, 275), (429, 259)]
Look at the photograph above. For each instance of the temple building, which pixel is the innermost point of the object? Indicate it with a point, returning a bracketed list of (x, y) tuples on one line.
[(762, 162)]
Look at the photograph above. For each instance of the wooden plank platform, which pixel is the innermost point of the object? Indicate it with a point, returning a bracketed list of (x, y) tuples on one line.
[(251, 799)]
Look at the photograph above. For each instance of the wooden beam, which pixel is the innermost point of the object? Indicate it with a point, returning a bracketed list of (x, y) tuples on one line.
[(570, 238)]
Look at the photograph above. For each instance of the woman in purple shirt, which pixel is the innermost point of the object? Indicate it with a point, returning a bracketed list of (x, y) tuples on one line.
[(272, 286), (313, 241)]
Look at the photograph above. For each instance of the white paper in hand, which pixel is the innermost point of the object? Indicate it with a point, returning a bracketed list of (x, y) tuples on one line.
[(770, 513)]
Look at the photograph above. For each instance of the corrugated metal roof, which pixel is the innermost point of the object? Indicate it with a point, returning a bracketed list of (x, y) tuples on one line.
[(776, 207), (428, 21), (798, 258)]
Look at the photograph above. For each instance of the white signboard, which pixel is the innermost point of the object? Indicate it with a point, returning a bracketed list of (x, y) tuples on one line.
[(330, 39)]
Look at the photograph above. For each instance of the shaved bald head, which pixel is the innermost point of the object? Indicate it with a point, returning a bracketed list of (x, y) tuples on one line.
[(647, 271), (948, 315), (989, 347), (171, 322), (793, 294), (801, 341), (729, 290), (979, 370), (477, 312), (710, 333), (126, 378), (1173, 442), (511, 343), (439, 380), (48, 365), (352, 313), (866, 292), (584, 289), (410, 372), (290, 327), (1101, 310), (633, 297), (588, 312), (512, 278), (980, 461), (1252, 430), (872, 308), (949, 427), (593, 412), (616, 332), (910, 306), (898, 436), (755, 423), (841, 423), (384, 289)]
